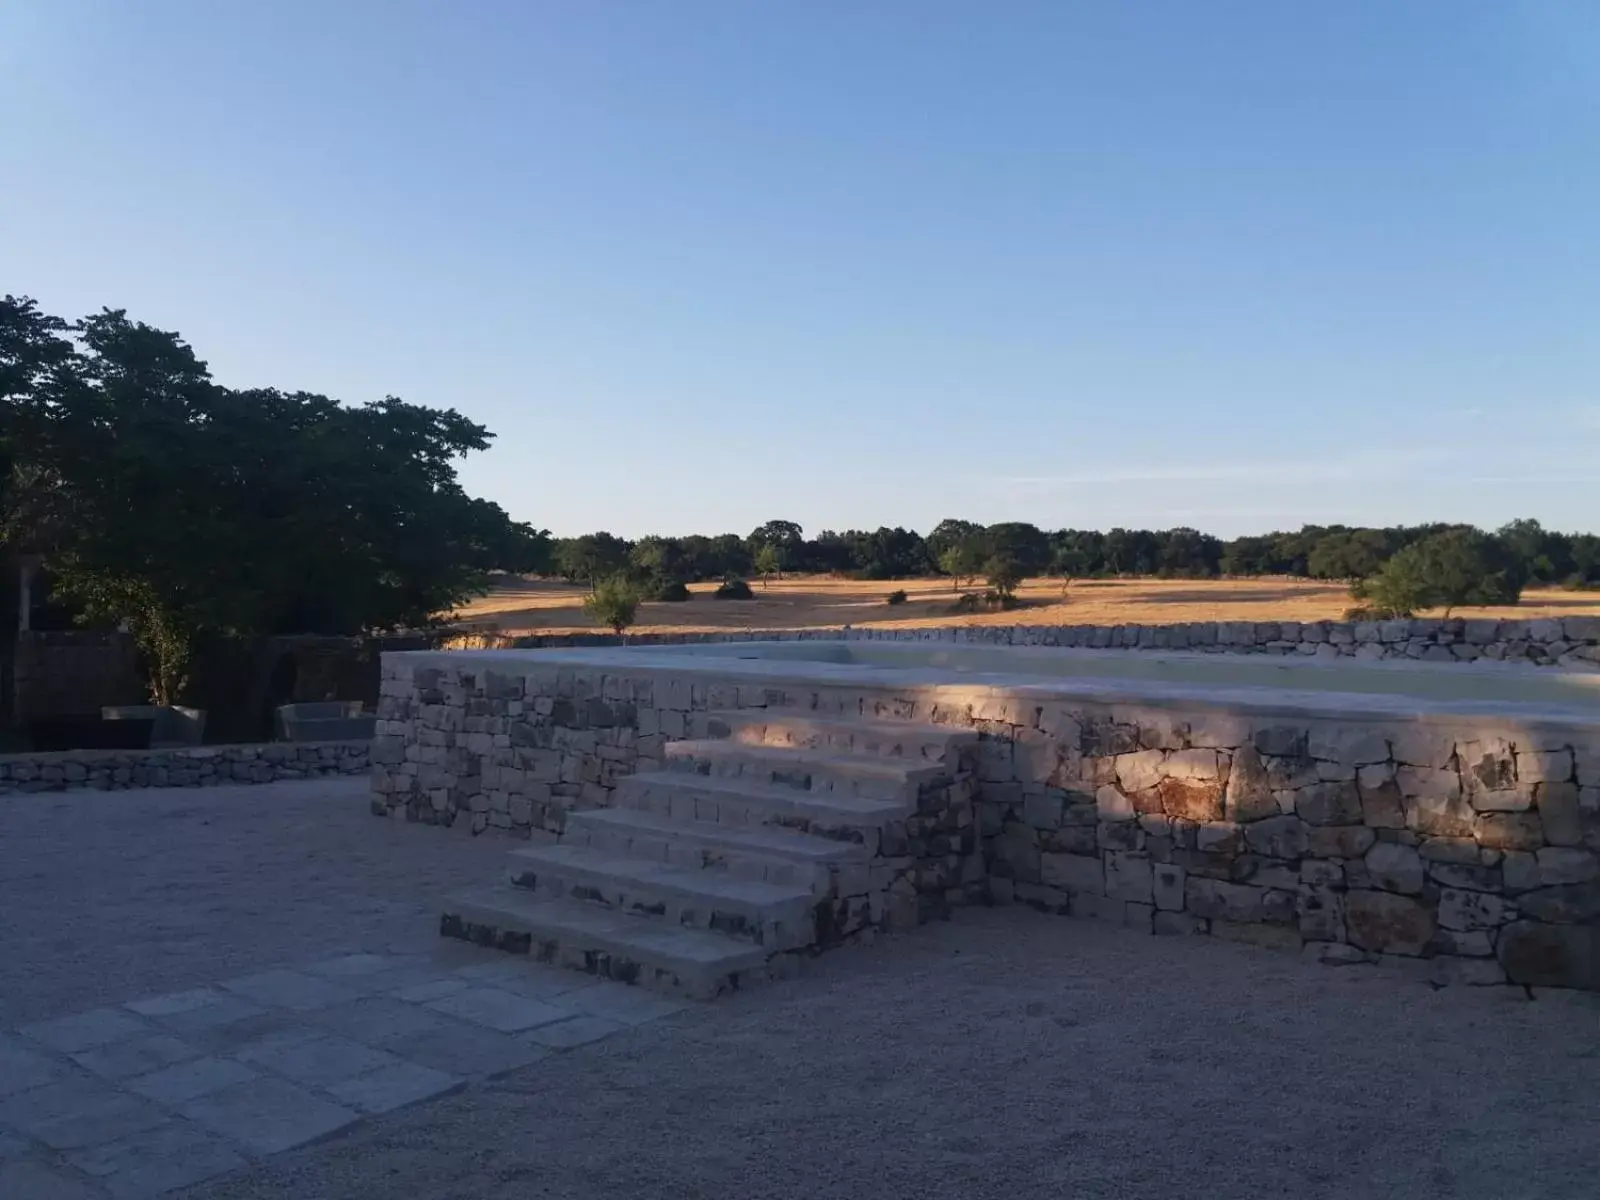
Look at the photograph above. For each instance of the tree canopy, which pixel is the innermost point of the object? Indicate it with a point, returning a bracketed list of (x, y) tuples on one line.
[(189, 510)]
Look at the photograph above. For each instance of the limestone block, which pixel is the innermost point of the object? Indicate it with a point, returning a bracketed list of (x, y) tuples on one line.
[(1550, 955), (1249, 795), (1329, 804), (1387, 923), (1569, 904), (1213, 898), (1073, 873), (1463, 910), (1321, 913), (1128, 876), (1277, 837), (1382, 805), (1395, 868), (1167, 885), (1560, 813), (1510, 831), (1140, 771)]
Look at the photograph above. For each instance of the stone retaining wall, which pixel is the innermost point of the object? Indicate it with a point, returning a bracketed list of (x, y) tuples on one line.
[(1570, 642), (192, 766), (1466, 848)]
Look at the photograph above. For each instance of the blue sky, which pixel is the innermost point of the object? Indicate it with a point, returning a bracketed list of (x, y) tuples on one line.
[(1233, 265)]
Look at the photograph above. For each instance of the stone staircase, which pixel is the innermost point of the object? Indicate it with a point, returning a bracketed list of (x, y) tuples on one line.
[(768, 836)]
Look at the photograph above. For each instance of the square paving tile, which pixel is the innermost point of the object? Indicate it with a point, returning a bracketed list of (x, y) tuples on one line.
[(138, 1057), (147, 1164), (27, 1180), (468, 1050), (86, 1030), (575, 1031), (174, 1002), (224, 1010), (497, 1009), (376, 1020), (523, 977), (315, 1058), (621, 1002), (77, 1112), (392, 1087), (191, 1080), (268, 1115), (23, 1067), (431, 989), (289, 989)]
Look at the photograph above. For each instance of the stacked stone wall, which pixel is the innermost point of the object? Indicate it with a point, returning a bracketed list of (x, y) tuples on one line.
[(194, 766), (1465, 849)]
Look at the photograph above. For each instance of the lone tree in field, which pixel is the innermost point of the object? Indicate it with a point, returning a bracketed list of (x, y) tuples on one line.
[(962, 560), (1446, 570), (1004, 573), (614, 603), (769, 562)]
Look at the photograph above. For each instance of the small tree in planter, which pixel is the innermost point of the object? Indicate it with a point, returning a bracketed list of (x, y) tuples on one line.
[(614, 602)]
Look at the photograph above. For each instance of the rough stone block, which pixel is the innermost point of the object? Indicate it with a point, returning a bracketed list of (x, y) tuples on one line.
[(1073, 872), (1215, 899), (1550, 955), (1128, 876), (1510, 831), (1167, 886), (1395, 868), (1387, 923)]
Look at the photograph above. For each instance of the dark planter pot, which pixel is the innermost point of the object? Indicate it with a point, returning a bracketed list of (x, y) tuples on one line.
[(88, 731), (325, 721), (171, 725)]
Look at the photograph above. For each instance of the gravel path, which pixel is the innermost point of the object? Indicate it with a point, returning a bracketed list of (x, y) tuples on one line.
[(1012, 1055), (109, 896)]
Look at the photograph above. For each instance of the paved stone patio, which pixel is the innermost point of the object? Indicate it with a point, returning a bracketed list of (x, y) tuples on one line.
[(169, 1090)]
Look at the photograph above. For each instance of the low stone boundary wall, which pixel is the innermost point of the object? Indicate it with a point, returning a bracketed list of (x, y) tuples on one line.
[(1464, 847), (1571, 642), (191, 766)]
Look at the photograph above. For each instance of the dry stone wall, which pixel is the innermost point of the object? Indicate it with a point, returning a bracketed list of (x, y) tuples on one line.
[(1569, 642), (195, 766), (1465, 849)]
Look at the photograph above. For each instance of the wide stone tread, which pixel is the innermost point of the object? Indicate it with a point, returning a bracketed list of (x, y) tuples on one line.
[(685, 961), (777, 915), (762, 800), (758, 839), (823, 762), (863, 736)]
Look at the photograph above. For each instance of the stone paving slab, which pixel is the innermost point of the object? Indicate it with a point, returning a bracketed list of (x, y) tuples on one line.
[(159, 1160), (191, 1080), (495, 1009), (137, 1057), (170, 1090), (267, 1115)]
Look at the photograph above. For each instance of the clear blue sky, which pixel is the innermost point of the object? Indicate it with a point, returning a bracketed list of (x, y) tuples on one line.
[(699, 264)]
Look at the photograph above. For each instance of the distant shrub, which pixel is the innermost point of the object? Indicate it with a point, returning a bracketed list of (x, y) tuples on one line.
[(670, 591), (996, 599), (897, 596), (968, 602), (613, 602), (733, 589)]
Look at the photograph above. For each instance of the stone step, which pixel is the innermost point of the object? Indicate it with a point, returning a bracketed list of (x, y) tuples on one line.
[(759, 854), (938, 744), (746, 804), (586, 937), (814, 771), (777, 917)]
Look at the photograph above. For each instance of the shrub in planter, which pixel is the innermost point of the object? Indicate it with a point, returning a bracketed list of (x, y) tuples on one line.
[(733, 589)]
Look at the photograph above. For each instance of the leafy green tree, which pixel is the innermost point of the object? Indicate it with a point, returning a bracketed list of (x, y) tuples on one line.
[(963, 559), (1004, 574), (592, 557), (769, 562), (614, 602), (1446, 570), (952, 532)]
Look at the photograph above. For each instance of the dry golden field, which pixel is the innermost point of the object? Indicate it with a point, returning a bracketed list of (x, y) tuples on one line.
[(541, 606)]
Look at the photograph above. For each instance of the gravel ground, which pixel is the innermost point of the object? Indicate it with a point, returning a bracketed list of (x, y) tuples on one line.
[(1007, 1054), (110, 896), (1003, 1054)]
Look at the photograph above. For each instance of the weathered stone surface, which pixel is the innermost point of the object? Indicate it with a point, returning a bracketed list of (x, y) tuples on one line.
[(1219, 837), (1016, 852), (1212, 898), (1520, 871), (1167, 884), (1274, 937), (1321, 913), (1112, 805), (1277, 837), (1558, 865), (1387, 923), (1074, 873), (1381, 804), (1249, 795), (1433, 802), (1461, 875), (1459, 909), (1568, 904), (1140, 771), (1394, 868), (1191, 799), (1329, 804), (1550, 955), (1560, 813), (1449, 849), (1128, 877), (1177, 924), (1339, 841), (1510, 831)]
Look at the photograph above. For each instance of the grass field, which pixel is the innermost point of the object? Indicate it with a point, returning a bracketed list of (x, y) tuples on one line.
[(529, 606)]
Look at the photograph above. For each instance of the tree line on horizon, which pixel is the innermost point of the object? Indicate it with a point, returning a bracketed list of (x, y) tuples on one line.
[(1523, 551)]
